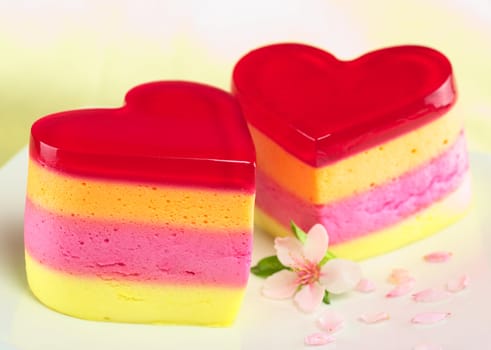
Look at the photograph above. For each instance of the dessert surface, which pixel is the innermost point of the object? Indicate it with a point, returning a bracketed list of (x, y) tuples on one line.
[(321, 109), (373, 147), (150, 138), (143, 213)]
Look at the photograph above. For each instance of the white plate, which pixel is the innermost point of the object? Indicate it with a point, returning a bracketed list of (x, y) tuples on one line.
[(264, 323)]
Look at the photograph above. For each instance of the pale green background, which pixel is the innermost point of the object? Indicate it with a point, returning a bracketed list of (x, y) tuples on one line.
[(59, 55)]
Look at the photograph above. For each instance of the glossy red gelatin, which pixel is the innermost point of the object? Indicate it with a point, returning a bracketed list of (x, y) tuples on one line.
[(321, 109), (168, 132)]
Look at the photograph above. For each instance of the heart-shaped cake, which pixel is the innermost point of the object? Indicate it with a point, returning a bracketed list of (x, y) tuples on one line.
[(371, 148), (143, 213)]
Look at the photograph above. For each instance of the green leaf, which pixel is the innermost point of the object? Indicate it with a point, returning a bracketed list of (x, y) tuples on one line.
[(299, 233), (326, 299), (267, 266), (326, 258)]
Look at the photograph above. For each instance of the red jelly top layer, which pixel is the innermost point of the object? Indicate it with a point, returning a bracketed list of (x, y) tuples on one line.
[(321, 109), (168, 132)]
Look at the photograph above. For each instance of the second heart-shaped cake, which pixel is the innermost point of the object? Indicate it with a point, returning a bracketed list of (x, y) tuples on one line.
[(371, 148), (143, 213)]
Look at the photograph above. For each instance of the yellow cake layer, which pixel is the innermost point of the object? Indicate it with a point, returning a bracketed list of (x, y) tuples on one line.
[(178, 206), (123, 301), (416, 227), (361, 171)]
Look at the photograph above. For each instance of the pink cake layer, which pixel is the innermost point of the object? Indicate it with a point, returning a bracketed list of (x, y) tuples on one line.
[(137, 252), (373, 210)]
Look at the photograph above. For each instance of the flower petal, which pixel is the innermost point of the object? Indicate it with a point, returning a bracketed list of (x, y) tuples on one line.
[(340, 275), (430, 295), (458, 284), (318, 339), (309, 297), (401, 289), (365, 286), (280, 285), (289, 251), (400, 276), (331, 322), (430, 317), (374, 317), (428, 346), (315, 247), (438, 257)]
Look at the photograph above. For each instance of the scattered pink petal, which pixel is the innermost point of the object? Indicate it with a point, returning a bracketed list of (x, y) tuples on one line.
[(331, 322), (318, 339), (365, 286), (400, 276), (428, 347), (438, 257), (430, 317), (458, 284), (401, 289), (430, 295), (374, 317)]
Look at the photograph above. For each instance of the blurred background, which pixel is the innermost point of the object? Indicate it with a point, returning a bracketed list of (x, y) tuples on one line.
[(59, 55)]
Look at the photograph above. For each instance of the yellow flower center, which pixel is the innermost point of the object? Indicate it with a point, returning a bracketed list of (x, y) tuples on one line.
[(308, 273)]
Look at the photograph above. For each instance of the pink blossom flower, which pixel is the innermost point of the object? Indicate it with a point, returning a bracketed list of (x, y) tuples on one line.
[(307, 279)]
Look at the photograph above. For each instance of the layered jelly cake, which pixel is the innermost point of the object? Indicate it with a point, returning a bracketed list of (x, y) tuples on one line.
[(372, 148), (143, 213)]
